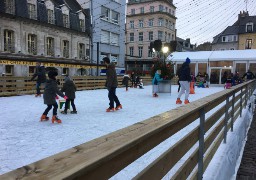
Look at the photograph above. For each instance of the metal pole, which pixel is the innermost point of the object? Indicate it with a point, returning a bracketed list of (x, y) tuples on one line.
[(98, 57), (201, 145), (233, 111), (226, 120)]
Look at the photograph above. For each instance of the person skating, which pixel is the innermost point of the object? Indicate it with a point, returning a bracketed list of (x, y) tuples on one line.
[(50, 93), (184, 78), (41, 77), (125, 81), (69, 88), (249, 75), (155, 82), (111, 84)]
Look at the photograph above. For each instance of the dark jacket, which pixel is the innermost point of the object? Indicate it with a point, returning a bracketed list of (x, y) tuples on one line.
[(184, 72), (69, 88), (125, 80), (50, 92), (249, 75), (111, 76), (40, 74)]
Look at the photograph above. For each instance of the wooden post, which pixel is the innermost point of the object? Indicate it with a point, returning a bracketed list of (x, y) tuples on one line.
[(201, 145)]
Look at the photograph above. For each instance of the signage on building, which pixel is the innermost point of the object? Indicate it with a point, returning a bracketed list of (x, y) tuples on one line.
[(28, 63)]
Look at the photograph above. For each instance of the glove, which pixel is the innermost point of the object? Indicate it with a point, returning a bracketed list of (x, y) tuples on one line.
[(65, 97), (57, 97)]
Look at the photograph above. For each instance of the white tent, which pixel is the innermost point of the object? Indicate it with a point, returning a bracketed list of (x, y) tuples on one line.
[(200, 56)]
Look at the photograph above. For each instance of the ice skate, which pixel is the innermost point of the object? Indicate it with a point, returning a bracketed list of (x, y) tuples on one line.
[(73, 112), (44, 118), (110, 110), (37, 95), (63, 112), (178, 101), (119, 107), (186, 101), (55, 119), (155, 95)]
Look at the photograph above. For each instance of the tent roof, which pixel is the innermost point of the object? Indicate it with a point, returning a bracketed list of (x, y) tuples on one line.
[(229, 55)]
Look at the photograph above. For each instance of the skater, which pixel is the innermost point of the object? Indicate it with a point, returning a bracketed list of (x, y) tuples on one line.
[(69, 88), (111, 84), (155, 81), (50, 91), (41, 77), (184, 78), (141, 84), (133, 80), (125, 81), (249, 75)]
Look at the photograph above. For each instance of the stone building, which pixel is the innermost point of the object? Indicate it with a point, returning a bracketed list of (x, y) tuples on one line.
[(55, 32), (147, 21)]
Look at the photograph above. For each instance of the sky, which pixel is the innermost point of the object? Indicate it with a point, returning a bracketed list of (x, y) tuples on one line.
[(25, 140), (201, 20)]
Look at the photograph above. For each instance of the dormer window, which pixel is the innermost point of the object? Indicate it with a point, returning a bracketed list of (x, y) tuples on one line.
[(249, 27), (66, 20)]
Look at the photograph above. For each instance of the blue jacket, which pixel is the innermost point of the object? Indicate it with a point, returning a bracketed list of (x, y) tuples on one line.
[(157, 78)]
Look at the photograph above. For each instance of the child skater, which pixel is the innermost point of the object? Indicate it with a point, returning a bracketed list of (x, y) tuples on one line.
[(141, 84), (125, 81), (50, 91), (155, 81), (70, 89)]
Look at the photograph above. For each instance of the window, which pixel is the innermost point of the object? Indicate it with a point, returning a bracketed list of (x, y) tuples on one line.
[(82, 25), (131, 37), (150, 36), (151, 22), (132, 24), (132, 11), (141, 23), (140, 36), (114, 39), (224, 39), (9, 41), (81, 51), (65, 49), (166, 9), (105, 37), (140, 51), (32, 11), (235, 38), (161, 8), (50, 16), (50, 46), (160, 22), (149, 52), (9, 6), (105, 12), (249, 27), (151, 9), (87, 52), (115, 17), (65, 71), (131, 51), (32, 44), (65, 20), (169, 37), (173, 26), (9, 69), (160, 35), (166, 23), (248, 44), (142, 10)]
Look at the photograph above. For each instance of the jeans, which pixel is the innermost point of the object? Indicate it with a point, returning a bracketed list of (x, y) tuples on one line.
[(38, 84), (112, 97), (49, 107), (72, 104)]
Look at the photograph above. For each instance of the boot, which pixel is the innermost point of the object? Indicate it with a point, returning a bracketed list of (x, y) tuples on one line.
[(155, 95), (55, 119), (178, 101), (119, 107), (186, 101), (110, 110), (44, 118), (126, 89), (63, 112), (73, 112)]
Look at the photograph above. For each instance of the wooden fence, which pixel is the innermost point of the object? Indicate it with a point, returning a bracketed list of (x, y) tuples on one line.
[(12, 86), (105, 156)]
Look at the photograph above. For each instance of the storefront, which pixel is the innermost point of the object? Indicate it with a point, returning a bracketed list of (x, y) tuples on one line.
[(216, 63)]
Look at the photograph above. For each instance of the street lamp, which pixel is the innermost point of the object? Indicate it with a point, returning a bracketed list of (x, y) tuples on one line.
[(165, 49)]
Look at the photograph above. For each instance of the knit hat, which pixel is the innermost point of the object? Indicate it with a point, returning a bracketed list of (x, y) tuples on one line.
[(52, 74), (187, 60)]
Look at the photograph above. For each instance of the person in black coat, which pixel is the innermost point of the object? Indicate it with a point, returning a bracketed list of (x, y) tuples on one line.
[(70, 89), (184, 79), (249, 75), (41, 77), (50, 95), (125, 81), (133, 79)]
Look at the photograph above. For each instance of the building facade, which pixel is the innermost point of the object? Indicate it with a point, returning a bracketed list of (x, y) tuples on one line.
[(52, 31), (108, 30), (147, 21), (184, 45), (241, 35)]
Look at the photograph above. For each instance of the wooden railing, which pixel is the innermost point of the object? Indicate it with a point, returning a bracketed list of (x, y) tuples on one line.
[(105, 156), (11, 86)]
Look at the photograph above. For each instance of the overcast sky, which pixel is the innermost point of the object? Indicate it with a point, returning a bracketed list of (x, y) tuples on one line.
[(201, 20)]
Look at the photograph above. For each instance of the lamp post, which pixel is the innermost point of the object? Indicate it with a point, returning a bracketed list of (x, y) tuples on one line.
[(165, 49)]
